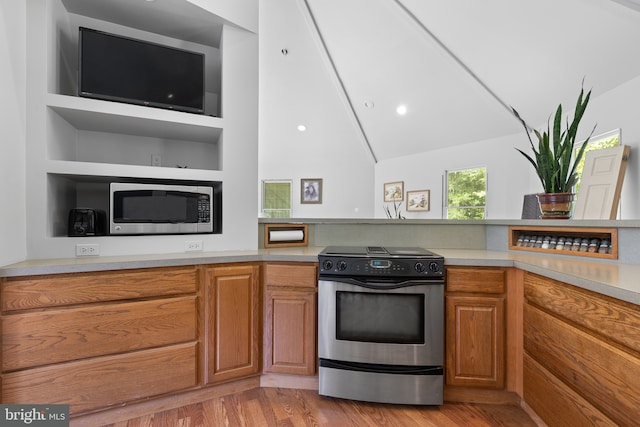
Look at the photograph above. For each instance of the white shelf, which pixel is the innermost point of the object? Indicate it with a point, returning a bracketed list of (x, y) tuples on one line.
[(106, 132), (116, 117), (180, 20), (88, 171)]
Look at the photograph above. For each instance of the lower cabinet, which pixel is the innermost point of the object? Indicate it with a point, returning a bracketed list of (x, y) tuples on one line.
[(232, 322), (95, 340), (581, 355), (475, 327), (103, 382), (290, 317)]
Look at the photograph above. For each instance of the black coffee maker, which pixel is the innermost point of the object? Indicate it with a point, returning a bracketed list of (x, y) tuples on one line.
[(87, 222)]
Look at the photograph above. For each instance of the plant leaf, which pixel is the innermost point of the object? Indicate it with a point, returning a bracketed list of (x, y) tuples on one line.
[(552, 158)]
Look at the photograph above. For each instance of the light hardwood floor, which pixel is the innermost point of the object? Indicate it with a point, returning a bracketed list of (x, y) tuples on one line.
[(281, 407)]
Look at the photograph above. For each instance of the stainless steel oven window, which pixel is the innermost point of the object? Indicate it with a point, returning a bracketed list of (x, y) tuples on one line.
[(390, 318)]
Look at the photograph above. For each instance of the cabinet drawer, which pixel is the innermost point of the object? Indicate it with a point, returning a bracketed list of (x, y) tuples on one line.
[(557, 404), (612, 319), (489, 280), (602, 374), (59, 335), (291, 274), (79, 288), (106, 381)]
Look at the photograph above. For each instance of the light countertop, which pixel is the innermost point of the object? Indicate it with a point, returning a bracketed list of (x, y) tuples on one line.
[(621, 281)]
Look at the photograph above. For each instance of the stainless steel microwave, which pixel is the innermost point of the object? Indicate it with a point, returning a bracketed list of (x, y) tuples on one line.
[(138, 208)]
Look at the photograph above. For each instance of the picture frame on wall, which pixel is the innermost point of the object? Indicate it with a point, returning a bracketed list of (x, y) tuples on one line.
[(418, 201), (394, 191), (311, 191)]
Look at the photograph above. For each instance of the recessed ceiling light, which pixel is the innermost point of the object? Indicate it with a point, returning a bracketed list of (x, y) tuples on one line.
[(402, 110), (302, 128)]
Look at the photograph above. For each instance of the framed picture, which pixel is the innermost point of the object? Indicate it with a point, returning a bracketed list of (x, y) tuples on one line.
[(394, 191), (311, 190), (418, 201)]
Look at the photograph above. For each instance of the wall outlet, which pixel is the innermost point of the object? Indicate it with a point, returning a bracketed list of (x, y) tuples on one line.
[(156, 160), (92, 249), (193, 245)]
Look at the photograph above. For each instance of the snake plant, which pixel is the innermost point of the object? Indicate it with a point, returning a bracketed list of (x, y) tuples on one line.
[(552, 158)]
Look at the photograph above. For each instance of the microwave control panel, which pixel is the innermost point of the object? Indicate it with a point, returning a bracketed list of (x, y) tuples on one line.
[(204, 210)]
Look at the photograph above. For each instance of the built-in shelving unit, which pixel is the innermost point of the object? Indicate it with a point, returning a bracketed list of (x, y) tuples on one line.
[(577, 241), (77, 145)]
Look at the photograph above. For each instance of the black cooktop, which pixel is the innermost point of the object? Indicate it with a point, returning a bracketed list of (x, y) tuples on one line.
[(379, 251), (389, 261)]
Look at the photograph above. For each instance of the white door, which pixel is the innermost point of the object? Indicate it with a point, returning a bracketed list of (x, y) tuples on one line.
[(601, 183)]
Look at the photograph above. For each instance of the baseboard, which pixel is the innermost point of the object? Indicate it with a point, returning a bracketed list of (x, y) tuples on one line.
[(289, 381), (478, 395)]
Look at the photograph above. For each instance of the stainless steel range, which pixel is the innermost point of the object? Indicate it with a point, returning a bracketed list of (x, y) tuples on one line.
[(381, 324)]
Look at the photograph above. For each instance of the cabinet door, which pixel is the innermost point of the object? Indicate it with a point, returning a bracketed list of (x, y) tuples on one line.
[(232, 322), (290, 331), (475, 341)]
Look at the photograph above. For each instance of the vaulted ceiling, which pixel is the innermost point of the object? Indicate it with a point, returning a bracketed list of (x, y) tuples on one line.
[(459, 65)]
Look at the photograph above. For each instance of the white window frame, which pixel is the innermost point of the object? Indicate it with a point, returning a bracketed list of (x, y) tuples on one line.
[(445, 191), (265, 182)]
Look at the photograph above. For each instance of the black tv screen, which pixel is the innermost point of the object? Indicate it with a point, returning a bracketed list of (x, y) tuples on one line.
[(122, 69)]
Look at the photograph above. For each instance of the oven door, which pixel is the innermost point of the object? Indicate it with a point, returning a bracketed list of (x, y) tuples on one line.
[(381, 323)]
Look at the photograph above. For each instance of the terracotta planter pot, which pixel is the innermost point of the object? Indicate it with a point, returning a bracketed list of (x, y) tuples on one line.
[(555, 205)]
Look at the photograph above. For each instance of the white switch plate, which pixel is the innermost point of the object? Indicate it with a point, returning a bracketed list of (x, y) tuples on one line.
[(156, 160)]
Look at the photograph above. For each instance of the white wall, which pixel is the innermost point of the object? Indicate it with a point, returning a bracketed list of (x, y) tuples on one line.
[(509, 174), (12, 142), (301, 88), (298, 88), (238, 154), (240, 12), (507, 178)]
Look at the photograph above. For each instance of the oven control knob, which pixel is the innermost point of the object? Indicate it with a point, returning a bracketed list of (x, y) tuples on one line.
[(327, 265), (419, 267), (434, 267), (342, 265)]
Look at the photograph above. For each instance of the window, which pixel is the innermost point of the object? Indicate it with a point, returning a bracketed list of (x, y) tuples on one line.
[(605, 140), (276, 199), (467, 193)]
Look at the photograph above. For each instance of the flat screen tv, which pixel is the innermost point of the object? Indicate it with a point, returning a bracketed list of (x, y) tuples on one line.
[(117, 68)]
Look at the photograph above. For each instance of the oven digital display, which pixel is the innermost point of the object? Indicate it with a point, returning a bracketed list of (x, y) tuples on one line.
[(380, 263)]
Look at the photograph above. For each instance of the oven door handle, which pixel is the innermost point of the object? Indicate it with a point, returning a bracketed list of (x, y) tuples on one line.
[(381, 369), (384, 283)]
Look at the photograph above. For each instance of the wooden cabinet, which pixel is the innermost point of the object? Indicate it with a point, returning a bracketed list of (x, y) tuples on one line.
[(290, 318), (99, 339), (475, 327), (581, 355), (231, 322)]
